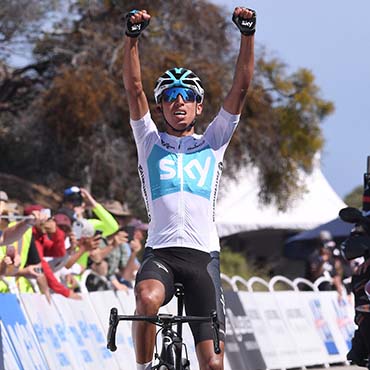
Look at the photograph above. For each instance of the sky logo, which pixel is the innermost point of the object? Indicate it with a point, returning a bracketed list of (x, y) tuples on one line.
[(167, 171)]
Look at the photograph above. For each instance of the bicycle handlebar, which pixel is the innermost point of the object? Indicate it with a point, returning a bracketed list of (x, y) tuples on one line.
[(161, 320), (113, 322)]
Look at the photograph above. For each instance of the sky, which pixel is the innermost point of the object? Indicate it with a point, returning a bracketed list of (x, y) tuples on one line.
[(332, 39)]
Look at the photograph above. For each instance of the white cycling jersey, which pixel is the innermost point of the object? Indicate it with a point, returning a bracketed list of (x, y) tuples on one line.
[(180, 178)]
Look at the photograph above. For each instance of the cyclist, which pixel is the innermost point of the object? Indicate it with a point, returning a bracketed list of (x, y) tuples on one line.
[(179, 172)]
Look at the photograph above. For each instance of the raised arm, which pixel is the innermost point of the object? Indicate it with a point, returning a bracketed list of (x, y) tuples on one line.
[(245, 20), (137, 101), (15, 232)]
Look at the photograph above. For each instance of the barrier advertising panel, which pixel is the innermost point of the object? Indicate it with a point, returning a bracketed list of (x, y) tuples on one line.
[(340, 324), (20, 334), (261, 330), (10, 357), (242, 351), (1, 348), (284, 344), (82, 328), (325, 325), (51, 332), (102, 303), (296, 314)]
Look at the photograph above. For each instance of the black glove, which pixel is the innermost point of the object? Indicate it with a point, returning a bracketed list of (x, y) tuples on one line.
[(246, 26), (134, 29)]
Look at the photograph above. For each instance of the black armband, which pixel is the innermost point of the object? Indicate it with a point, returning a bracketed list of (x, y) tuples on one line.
[(246, 26)]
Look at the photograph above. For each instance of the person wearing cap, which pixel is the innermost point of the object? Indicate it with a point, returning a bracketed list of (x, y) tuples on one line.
[(78, 199)]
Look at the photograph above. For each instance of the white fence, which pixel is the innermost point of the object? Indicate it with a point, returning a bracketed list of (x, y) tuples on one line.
[(265, 329)]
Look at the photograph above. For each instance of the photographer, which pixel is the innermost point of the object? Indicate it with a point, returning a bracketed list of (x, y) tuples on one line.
[(321, 263)]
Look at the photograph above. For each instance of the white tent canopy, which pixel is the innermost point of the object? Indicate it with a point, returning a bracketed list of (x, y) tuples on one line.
[(239, 209)]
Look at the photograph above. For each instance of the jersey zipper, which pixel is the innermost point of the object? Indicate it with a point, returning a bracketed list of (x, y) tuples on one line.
[(181, 196)]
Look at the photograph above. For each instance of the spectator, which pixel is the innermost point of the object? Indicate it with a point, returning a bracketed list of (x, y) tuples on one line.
[(133, 265), (3, 210), (77, 242), (21, 259), (78, 200), (117, 261), (129, 263), (321, 263), (49, 241)]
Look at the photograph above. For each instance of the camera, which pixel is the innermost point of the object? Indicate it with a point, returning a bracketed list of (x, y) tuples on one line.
[(46, 211), (83, 229), (130, 230)]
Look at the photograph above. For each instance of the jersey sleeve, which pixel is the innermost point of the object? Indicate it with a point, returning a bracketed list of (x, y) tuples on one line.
[(221, 129), (145, 132)]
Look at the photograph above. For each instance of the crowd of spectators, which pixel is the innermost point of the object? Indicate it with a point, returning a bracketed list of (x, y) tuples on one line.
[(87, 245), (82, 245)]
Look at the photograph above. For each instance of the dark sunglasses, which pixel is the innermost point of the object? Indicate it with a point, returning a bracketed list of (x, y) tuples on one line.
[(171, 94)]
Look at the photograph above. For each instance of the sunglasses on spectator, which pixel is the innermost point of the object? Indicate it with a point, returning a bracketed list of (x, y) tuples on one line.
[(171, 94)]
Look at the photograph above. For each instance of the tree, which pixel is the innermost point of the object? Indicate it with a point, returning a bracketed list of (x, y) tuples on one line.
[(76, 103), (354, 198)]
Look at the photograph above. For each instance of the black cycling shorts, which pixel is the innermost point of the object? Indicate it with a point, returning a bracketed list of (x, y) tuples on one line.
[(199, 272)]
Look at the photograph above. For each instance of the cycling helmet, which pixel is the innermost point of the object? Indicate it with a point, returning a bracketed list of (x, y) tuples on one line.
[(179, 77)]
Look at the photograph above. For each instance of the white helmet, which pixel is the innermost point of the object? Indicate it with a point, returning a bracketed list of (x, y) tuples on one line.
[(179, 77)]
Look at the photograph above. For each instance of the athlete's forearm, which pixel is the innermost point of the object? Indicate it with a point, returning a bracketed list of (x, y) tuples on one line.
[(242, 77), (245, 64), (131, 65), (132, 79)]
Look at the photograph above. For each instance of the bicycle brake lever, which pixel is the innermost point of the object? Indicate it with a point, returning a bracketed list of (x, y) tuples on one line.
[(113, 322), (216, 334)]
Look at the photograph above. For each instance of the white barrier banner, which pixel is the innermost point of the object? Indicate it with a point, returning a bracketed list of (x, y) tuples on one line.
[(279, 333), (82, 327), (344, 315), (102, 303), (341, 324), (325, 324), (261, 331), (21, 334), (10, 357), (50, 332), (296, 313)]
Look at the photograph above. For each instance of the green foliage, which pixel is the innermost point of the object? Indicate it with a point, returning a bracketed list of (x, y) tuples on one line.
[(233, 263), (69, 108), (354, 198), (281, 130)]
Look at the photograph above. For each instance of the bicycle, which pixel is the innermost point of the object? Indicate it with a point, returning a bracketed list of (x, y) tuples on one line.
[(170, 357)]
